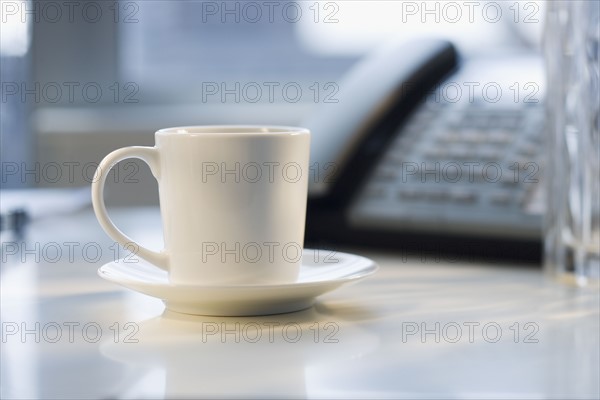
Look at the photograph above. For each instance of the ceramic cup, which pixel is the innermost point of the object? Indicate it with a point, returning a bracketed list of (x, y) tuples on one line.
[(232, 201)]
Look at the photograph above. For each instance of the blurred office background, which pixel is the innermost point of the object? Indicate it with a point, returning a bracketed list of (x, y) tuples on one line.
[(155, 63)]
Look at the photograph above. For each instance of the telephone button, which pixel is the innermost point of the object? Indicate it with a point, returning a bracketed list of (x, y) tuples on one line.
[(437, 195), (410, 194), (463, 197), (501, 199)]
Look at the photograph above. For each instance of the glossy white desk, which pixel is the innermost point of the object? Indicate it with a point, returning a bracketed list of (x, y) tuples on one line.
[(491, 331)]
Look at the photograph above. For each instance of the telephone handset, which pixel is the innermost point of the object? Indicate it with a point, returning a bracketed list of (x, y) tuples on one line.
[(374, 97), (359, 192)]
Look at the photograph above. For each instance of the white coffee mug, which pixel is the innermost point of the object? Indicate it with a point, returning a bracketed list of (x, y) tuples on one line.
[(232, 201)]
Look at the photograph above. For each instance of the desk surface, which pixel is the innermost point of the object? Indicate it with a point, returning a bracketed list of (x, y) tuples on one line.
[(420, 328)]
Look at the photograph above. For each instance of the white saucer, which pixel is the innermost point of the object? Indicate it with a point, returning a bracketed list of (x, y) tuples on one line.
[(322, 271)]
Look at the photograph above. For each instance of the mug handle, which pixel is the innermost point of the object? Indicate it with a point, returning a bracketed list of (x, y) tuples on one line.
[(150, 156)]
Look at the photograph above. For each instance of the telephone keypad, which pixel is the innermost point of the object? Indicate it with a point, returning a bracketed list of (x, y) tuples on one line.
[(497, 152)]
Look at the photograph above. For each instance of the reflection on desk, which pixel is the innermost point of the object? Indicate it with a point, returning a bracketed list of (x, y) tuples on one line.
[(422, 327)]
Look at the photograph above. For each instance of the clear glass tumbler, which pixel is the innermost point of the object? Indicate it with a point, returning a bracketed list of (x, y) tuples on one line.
[(572, 226)]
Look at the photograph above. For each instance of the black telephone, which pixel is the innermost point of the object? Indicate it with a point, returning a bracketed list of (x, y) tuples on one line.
[(373, 150)]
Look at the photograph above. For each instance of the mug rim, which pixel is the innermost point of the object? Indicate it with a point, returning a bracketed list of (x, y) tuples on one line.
[(208, 130)]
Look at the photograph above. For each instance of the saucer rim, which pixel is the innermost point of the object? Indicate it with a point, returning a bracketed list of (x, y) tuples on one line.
[(368, 270)]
